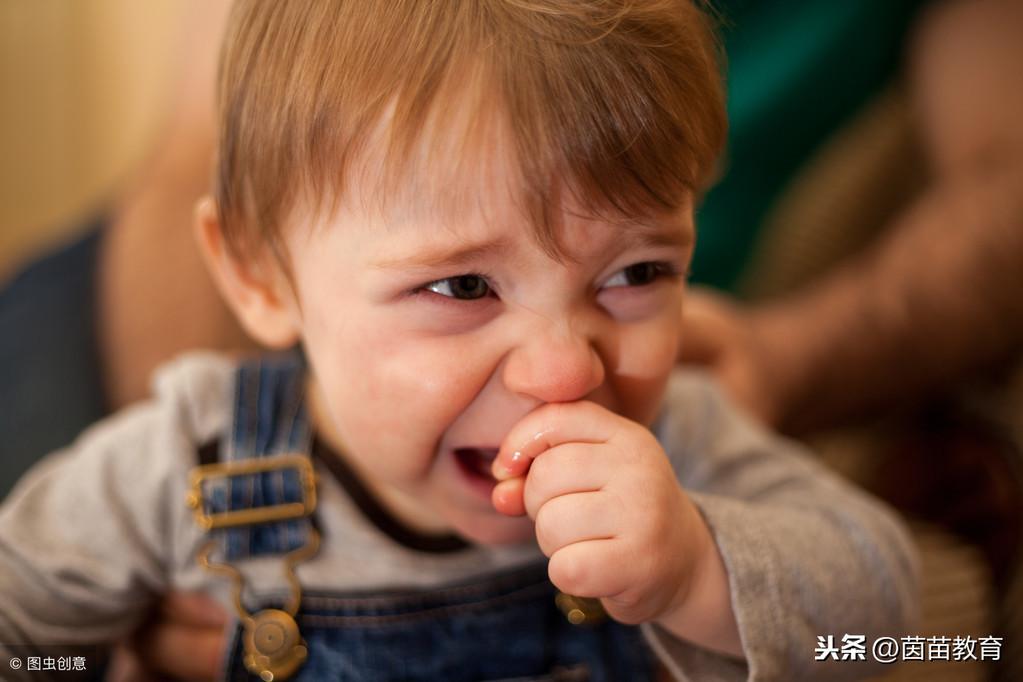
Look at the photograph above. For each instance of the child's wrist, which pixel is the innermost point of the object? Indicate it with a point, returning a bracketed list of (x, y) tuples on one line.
[(699, 550), (701, 610)]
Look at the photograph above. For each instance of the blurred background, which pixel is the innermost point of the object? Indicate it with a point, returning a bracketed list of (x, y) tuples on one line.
[(85, 88)]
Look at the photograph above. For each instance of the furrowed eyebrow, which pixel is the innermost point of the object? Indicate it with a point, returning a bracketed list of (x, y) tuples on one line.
[(676, 238), (636, 236), (438, 258)]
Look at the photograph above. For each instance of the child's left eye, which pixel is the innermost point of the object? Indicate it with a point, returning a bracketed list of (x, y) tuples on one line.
[(462, 287), (641, 274)]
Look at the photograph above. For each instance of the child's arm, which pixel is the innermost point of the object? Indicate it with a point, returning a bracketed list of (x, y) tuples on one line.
[(87, 538), (80, 542), (807, 554), (803, 553)]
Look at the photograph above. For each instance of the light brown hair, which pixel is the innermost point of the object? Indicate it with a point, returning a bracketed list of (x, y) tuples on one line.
[(619, 101)]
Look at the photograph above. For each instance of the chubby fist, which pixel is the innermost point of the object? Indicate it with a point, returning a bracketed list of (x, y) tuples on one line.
[(608, 509)]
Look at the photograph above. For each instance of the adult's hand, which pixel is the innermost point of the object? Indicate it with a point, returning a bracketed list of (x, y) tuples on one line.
[(719, 334), (184, 641)]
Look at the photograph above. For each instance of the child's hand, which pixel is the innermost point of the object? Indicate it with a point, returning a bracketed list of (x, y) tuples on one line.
[(608, 509)]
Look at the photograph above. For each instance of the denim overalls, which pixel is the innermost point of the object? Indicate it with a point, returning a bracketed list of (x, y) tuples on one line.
[(495, 627)]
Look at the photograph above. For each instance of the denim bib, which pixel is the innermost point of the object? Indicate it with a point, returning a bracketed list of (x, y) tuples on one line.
[(506, 626)]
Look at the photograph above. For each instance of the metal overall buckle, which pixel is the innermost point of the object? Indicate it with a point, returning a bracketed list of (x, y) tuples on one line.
[(580, 610), (274, 648), (248, 517)]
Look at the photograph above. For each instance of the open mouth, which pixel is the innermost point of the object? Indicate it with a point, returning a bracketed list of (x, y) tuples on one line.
[(476, 461)]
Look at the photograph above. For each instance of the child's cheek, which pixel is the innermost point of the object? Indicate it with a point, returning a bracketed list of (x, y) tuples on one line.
[(427, 383), (647, 355), (649, 349)]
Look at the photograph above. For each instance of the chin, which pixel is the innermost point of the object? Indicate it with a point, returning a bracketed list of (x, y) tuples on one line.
[(495, 529)]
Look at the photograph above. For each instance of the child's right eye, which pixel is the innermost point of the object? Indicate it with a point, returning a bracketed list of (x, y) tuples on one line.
[(462, 287)]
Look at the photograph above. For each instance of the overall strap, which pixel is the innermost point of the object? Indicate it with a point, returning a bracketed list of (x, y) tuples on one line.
[(259, 497), (269, 408)]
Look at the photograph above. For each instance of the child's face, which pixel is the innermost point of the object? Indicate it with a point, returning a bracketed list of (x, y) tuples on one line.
[(429, 339)]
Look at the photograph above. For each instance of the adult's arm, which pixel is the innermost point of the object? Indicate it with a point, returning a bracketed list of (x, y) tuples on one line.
[(154, 296)]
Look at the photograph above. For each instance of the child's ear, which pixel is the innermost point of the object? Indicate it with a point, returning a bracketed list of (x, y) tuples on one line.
[(256, 289)]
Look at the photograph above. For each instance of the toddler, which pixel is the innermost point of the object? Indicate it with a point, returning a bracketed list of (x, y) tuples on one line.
[(474, 218)]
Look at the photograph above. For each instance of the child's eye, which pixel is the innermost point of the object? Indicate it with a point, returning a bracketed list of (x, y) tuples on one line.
[(640, 274), (463, 287)]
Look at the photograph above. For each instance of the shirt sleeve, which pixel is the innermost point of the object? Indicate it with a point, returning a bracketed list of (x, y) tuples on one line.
[(808, 555), (86, 541)]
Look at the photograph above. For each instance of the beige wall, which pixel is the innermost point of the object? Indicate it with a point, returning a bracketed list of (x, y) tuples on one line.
[(83, 84)]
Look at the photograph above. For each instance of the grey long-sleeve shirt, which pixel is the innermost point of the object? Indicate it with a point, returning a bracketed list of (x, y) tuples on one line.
[(94, 534)]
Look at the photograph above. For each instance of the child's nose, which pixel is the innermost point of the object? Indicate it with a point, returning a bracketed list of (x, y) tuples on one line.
[(559, 366)]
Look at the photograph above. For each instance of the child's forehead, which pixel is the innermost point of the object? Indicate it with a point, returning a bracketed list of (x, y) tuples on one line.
[(462, 159), (474, 216), (464, 181), (582, 242), (487, 221)]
